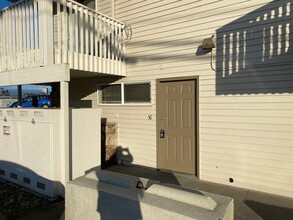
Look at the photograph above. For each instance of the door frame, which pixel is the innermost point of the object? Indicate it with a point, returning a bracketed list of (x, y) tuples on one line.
[(159, 100)]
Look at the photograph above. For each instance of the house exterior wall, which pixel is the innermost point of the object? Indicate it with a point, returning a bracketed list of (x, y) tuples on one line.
[(83, 93), (245, 105), (106, 7)]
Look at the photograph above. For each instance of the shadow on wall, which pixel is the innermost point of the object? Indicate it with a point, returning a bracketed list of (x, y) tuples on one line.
[(254, 52), (111, 153), (23, 176), (146, 172), (123, 156), (82, 90)]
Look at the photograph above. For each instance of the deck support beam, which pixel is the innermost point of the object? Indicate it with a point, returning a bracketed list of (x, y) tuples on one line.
[(45, 74)]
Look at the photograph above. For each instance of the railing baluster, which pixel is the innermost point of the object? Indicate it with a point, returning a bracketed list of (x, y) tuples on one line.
[(46, 27), (12, 38), (32, 47), (28, 43), (2, 41), (104, 45), (100, 29), (82, 23), (96, 39), (108, 45), (36, 31), (65, 33), (15, 39), (10, 35), (123, 51), (71, 35), (58, 23), (112, 48), (76, 37), (119, 49), (91, 41), (41, 29), (21, 59), (21, 34), (9, 39), (5, 40), (28, 37), (86, 61)]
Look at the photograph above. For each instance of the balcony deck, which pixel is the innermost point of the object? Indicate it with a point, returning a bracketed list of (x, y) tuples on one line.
[(35, 33)]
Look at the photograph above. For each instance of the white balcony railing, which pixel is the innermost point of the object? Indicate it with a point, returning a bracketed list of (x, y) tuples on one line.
[(41, 32)]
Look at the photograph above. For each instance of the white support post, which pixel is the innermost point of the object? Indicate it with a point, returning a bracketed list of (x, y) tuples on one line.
[(64, 119)]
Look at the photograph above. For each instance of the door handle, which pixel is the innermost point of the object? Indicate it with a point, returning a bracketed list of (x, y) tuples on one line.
[(162, 133)]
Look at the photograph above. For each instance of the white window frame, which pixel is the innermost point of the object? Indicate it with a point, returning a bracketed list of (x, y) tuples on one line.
[(122, 94)]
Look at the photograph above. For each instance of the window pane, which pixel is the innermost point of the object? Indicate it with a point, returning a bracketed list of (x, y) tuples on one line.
[(137, 93), (110, 94)]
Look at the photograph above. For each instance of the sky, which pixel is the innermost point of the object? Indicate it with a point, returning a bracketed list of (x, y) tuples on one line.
[(4, 3)]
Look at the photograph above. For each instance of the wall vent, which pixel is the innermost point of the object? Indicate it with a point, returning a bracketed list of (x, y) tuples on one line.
[(26, 180), (10, 113), (2, 172), (38, 114), (41, 186), (13, 176), (23, 113)]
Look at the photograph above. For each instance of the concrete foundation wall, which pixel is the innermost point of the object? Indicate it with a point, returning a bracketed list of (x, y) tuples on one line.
[(105, 195)]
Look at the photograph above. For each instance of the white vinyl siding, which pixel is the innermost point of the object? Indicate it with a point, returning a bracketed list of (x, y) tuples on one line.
[(105, 7), (245, 107), (135, 131)]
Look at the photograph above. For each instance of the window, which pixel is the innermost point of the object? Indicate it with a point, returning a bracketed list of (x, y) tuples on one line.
[(137, 93), (110, 94), (125, 93)]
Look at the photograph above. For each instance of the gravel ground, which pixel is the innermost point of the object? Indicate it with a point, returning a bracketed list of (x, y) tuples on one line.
[(19, 203)]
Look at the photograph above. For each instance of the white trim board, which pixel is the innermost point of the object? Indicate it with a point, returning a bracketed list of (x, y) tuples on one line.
[(50, 73)]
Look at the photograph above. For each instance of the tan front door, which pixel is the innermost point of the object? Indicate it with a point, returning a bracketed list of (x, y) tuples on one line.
[(176, 130)]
